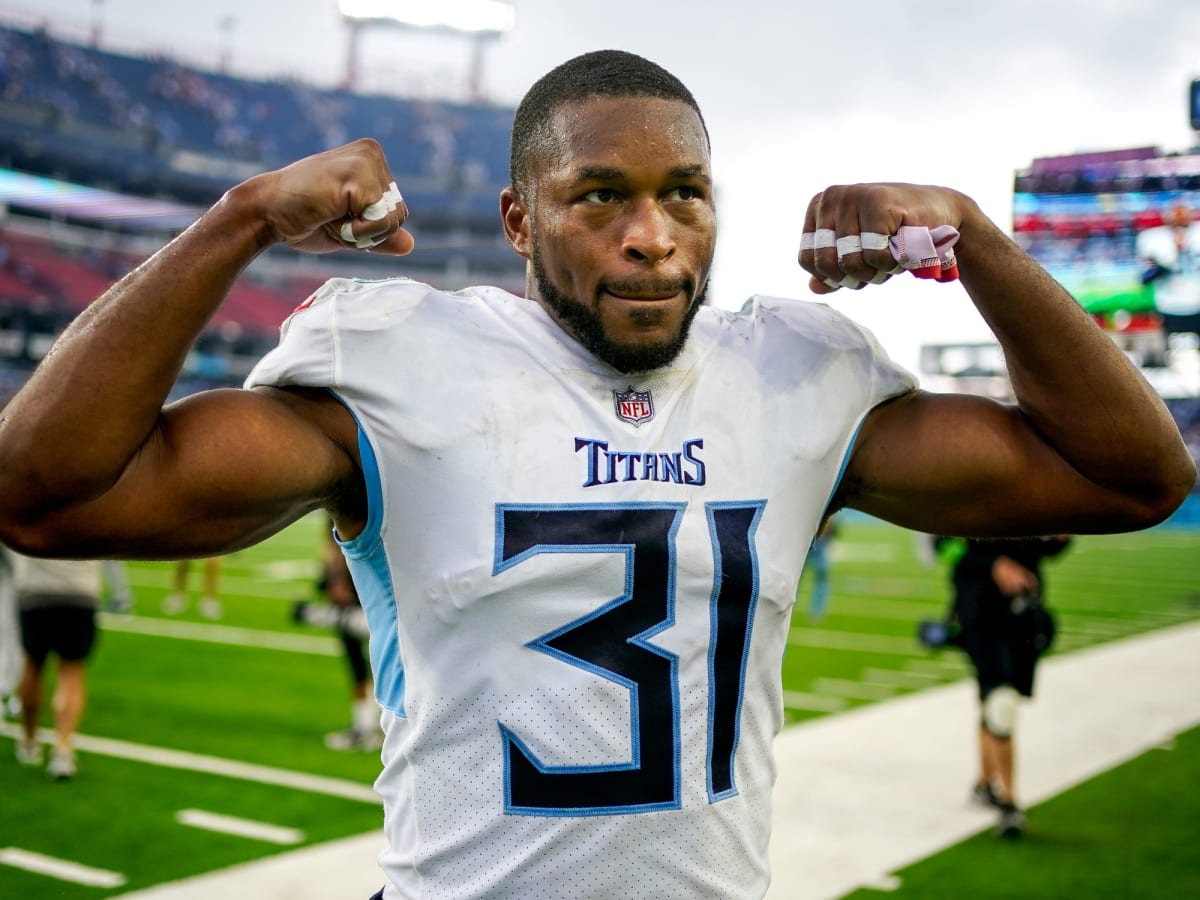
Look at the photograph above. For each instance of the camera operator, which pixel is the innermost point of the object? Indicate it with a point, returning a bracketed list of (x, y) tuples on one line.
[(1003, 625)]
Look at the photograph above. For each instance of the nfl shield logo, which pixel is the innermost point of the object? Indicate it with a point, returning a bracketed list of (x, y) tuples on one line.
[(634, 407)]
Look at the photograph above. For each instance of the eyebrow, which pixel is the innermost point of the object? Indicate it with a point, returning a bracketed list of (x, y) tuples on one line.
[(612, 173), (693, 171)]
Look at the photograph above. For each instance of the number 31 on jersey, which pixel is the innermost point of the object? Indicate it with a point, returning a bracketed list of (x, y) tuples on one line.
[(616, 642)]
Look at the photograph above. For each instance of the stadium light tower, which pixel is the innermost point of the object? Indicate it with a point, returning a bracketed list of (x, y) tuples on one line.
[(479, 20), (97, 23)]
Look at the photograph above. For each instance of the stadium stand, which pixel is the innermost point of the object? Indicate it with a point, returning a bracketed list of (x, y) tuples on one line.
[(154, 128)]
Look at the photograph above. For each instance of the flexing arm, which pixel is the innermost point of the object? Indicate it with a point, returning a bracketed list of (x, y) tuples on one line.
[(1088, 447), (90, 462)]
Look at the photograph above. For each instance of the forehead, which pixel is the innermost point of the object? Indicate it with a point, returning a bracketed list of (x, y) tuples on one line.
[(625, 132)]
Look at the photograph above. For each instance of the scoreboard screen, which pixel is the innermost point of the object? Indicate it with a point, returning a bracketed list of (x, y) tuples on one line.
[(1118, 229)]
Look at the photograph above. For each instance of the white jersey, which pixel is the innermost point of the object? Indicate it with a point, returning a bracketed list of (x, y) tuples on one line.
[(579, 583), (57, 582)]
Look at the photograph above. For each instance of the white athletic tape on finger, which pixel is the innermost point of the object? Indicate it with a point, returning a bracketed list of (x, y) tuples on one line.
[(824, 237), (851, 243), (347, 233), (384, 205), (378, 210), (847, 282)]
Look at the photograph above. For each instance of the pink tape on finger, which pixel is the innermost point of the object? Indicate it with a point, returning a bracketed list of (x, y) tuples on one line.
[(926, 252)]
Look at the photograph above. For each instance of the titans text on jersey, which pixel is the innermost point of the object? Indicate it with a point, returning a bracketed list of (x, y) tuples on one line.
[(605, 466)]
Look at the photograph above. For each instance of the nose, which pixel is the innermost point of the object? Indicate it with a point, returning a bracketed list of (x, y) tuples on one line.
[(648, 235)]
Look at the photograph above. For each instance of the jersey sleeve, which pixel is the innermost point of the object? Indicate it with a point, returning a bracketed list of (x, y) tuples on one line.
[(876, 377), (343, 315), (304, 356)]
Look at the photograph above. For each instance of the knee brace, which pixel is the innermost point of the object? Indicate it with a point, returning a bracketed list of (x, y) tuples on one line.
[(1000, 711)]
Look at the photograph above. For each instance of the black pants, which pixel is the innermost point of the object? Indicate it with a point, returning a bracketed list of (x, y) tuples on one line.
[(1003, 646)]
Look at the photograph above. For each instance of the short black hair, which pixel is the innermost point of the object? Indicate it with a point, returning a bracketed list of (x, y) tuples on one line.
[(601, 73)]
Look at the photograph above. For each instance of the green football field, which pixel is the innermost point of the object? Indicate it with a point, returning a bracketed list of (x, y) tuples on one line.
[(193, 725)]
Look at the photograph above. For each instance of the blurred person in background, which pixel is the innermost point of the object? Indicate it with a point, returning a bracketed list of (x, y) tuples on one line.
[(177, 601), (342, 611), (364, 732), (1171, 269), (119, 597), (1002, 623), (818, 564), (11, 655), (57, 600)]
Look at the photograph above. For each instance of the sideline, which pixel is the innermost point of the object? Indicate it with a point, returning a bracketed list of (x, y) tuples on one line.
[(258, 638), (848, 813)]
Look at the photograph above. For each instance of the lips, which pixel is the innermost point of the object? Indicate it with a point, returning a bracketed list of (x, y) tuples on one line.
[(645, 291), (643, 297)]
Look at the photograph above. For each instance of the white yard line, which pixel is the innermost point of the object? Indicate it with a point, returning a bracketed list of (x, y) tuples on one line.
[(1106, 632), (860, 552), (247, 828), (851, 640), (901, 678), (257, 638), (262, 587), (302, 570), (952, 666), (812, 702), (212, 765), (62, 869), (854, 690), (890, 610)]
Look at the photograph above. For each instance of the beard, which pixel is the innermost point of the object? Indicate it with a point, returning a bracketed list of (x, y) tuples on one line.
[(584, 324)]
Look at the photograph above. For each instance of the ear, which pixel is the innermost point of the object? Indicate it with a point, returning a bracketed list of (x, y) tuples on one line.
[(514, 212)]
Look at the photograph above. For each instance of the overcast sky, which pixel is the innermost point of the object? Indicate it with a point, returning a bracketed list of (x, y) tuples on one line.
[(797, 95)]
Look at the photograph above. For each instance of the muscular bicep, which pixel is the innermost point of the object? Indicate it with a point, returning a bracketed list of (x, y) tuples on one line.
[(958, 464), (221, 470)]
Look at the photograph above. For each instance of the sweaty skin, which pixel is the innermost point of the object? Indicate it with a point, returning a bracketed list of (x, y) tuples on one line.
[(621, 233)]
